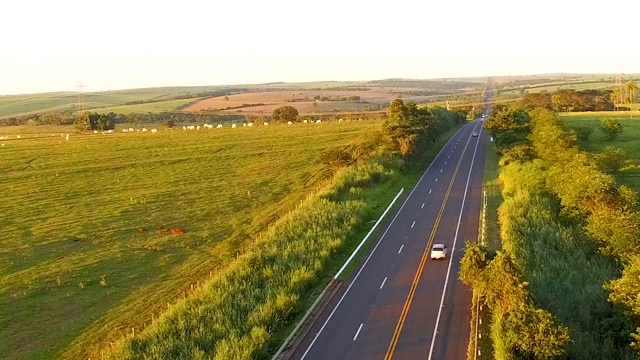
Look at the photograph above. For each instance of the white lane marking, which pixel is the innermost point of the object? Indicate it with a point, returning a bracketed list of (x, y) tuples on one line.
[(431, 189), (383, 281), (455, 239), (422, 207), (358, 332), (440, 170), (445, 163), (448, 157), (413, 224), (315, 338), (436, 179), (401, 246)]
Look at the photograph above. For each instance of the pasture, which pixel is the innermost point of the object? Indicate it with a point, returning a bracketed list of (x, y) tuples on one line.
[(627, 141), (88, 250)]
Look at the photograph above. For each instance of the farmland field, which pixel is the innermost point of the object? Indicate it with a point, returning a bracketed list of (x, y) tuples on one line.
[(87, 250), (627, 141), (318, 100), (258, 99), (512, 86), (21, 105), (151, 107)]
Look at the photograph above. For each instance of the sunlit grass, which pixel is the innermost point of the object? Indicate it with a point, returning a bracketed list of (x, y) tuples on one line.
[(627, 141), (84, 254)]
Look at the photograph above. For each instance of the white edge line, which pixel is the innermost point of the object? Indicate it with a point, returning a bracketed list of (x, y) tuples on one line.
[(455, 239), (368, 234), (383, 281), (375, 247), (358, 332)]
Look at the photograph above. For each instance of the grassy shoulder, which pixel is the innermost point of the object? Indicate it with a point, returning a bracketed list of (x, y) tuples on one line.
[(480, 314), (235, 314), (376, 200)]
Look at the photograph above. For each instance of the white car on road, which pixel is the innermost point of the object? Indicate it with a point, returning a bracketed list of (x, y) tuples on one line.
[(438, 251)]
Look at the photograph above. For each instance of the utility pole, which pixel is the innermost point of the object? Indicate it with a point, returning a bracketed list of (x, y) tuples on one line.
[(79, 88)]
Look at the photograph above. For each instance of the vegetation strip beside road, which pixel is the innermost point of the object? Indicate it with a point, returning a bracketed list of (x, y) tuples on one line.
[(480, 316), (234, 315), (545, 241)]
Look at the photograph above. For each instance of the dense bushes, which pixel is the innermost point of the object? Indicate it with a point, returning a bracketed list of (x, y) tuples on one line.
[(561, 214), (570, 100), (407, 127)]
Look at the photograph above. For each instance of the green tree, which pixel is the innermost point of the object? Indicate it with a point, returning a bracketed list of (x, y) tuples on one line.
[(285, 114), (583, 133), (631, 90), (54, 118), (551, 139), (611, 128), (580, 185), (473, 265), (81, 123), (611, 160), (616, 96), (509, 126)]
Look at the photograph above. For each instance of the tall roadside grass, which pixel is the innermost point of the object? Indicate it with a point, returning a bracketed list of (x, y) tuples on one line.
[(236, 314), (565, 274), (233, 315), (550, 273)]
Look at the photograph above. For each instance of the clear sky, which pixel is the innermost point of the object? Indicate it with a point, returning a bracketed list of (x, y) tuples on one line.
[(108, 45)]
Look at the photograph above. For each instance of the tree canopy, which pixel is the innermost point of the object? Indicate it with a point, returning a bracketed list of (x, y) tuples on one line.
[(285, 114), (570, 100), (611, 128)]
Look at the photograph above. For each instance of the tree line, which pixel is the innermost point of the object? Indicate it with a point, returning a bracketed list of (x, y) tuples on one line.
[(568, 100), (408, 127), (550, 293)]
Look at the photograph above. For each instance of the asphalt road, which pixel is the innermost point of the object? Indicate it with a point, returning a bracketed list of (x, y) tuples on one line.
[(400, 303)]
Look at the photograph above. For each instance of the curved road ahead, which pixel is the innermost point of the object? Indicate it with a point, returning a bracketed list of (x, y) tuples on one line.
[(400, 304)]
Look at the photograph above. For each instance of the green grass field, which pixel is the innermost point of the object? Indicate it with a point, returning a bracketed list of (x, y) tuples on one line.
[(627, 141), (84, 254), (152, 107)]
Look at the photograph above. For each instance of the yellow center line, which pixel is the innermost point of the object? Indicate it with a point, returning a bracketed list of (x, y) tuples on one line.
[(416, 278)]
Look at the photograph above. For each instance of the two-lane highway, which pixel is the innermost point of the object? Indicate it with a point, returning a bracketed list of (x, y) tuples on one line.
[(400, 303)]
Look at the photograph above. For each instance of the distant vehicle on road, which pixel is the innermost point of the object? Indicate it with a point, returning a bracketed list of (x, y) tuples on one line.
[(474, 134), (438, 251)]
